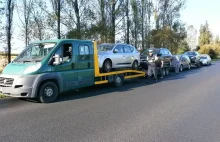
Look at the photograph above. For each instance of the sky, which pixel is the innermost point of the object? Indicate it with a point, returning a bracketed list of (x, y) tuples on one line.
[(196, 12)]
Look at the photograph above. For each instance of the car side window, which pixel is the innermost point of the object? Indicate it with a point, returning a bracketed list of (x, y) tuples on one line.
[(131, 48), (67, 52), (162, 52), (119, 49), (126, 49), (84, 53)]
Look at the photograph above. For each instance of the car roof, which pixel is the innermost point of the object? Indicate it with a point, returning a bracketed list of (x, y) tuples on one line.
[(59, 41)]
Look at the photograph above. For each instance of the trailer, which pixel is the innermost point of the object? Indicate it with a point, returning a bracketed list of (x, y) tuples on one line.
[(43, 71)]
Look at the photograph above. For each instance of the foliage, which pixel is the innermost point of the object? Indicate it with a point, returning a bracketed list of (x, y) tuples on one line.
[(205, 35), (172, 38), (212, 49)]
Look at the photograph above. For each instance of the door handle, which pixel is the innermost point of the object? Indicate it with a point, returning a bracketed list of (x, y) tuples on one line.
[(88, 64), (73, 65)]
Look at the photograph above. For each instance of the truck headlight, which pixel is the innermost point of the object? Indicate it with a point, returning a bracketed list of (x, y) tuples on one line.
[(32, 68)]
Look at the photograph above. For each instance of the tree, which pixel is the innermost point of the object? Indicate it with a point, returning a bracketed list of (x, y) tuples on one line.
[(9, 15), (205, 36), (26, 8), (217, 40), (56, 4), (39, 21), (191, 37)]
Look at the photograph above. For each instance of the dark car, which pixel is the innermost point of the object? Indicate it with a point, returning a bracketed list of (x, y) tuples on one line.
[(194, 57), (163, 53), (184, 62)]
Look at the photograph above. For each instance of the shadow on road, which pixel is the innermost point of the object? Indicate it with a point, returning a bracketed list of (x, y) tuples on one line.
[(108, 88), (128, 85)]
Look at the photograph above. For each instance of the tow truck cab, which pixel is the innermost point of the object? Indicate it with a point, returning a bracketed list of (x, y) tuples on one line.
[(67, 63)]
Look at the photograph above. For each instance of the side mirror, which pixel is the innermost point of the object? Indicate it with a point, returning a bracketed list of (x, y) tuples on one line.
[(56, 59), (115, 51)]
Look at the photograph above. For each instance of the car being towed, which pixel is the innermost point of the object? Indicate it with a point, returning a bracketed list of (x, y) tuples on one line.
[(113, 56)]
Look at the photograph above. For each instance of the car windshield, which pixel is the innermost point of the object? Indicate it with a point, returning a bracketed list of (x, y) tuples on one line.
[(105, 47), (35, 52), (190, 53), (203, 57)]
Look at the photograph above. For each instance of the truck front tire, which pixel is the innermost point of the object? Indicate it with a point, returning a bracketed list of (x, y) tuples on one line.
[(48, 92)]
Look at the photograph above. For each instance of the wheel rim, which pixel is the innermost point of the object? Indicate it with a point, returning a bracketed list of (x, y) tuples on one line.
[(181, 68), (108, 66), (189, 66), (48, 91), (118, 80), (135, 66)]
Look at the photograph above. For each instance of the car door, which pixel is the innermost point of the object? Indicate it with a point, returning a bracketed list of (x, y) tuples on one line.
[(184, 61), (85, 63), (118, 57), (128, 55), (66, 70), (164, 56)]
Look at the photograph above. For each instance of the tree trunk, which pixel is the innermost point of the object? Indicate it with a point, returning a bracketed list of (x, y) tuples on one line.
[(9, 14), (112, 35), (58, 19), (103, 26), (78, 19), (142, 24), (128, 24)]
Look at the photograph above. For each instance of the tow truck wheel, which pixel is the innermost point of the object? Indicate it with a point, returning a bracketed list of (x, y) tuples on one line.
[(48, 92), (118, 80)]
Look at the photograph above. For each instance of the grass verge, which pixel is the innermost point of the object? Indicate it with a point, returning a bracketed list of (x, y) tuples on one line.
[(2, 96)]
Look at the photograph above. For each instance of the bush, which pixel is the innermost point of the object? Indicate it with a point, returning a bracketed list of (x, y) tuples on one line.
[(212, 50)]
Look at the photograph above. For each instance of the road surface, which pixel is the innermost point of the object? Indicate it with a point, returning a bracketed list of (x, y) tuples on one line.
[(180, 108)]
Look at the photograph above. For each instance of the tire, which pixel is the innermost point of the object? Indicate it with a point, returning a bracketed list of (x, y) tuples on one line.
[(135, 65), (118, 80), (48, 92), (167, 72), (107, 66), (181, 68), (189, 66), (164, 72)]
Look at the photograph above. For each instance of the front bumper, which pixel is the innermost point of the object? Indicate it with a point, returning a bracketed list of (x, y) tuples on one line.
[(21, 86)]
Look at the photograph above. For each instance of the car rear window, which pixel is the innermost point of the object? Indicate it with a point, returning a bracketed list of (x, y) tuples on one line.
[(190, 53)]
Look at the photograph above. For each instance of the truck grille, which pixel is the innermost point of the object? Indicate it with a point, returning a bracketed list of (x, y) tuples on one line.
[(6, 82)]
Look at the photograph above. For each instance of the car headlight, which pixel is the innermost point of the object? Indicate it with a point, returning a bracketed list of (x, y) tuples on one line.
[(32, 68)]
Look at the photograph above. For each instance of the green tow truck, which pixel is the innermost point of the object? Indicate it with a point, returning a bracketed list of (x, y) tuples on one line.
[(45, 69)]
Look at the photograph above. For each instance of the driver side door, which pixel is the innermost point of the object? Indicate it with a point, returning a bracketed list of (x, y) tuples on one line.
[(66, 70)]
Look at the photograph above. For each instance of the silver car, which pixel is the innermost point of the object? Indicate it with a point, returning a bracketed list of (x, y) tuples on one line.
[(205, 59), (112, 56)]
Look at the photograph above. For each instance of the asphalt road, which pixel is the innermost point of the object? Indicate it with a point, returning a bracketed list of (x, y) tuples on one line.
[(179, 108)]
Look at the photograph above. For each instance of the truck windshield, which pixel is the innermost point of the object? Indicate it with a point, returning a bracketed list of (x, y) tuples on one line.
[(35, 52), (105, 47)]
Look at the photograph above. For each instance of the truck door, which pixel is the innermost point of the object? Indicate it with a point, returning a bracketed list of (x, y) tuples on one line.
[(85, 63), (66, 70)]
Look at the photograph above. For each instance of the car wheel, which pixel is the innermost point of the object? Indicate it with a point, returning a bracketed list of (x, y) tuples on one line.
[(107, 66), (48, 92), (135, 65), (181, 68), (189, 66), (118, 80), (167, 72)]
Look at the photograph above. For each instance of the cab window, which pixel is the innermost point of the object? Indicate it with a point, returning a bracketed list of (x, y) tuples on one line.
[(67, 52), (84, 53)]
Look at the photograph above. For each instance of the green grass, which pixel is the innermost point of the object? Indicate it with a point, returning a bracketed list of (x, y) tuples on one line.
[(2, 96)]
